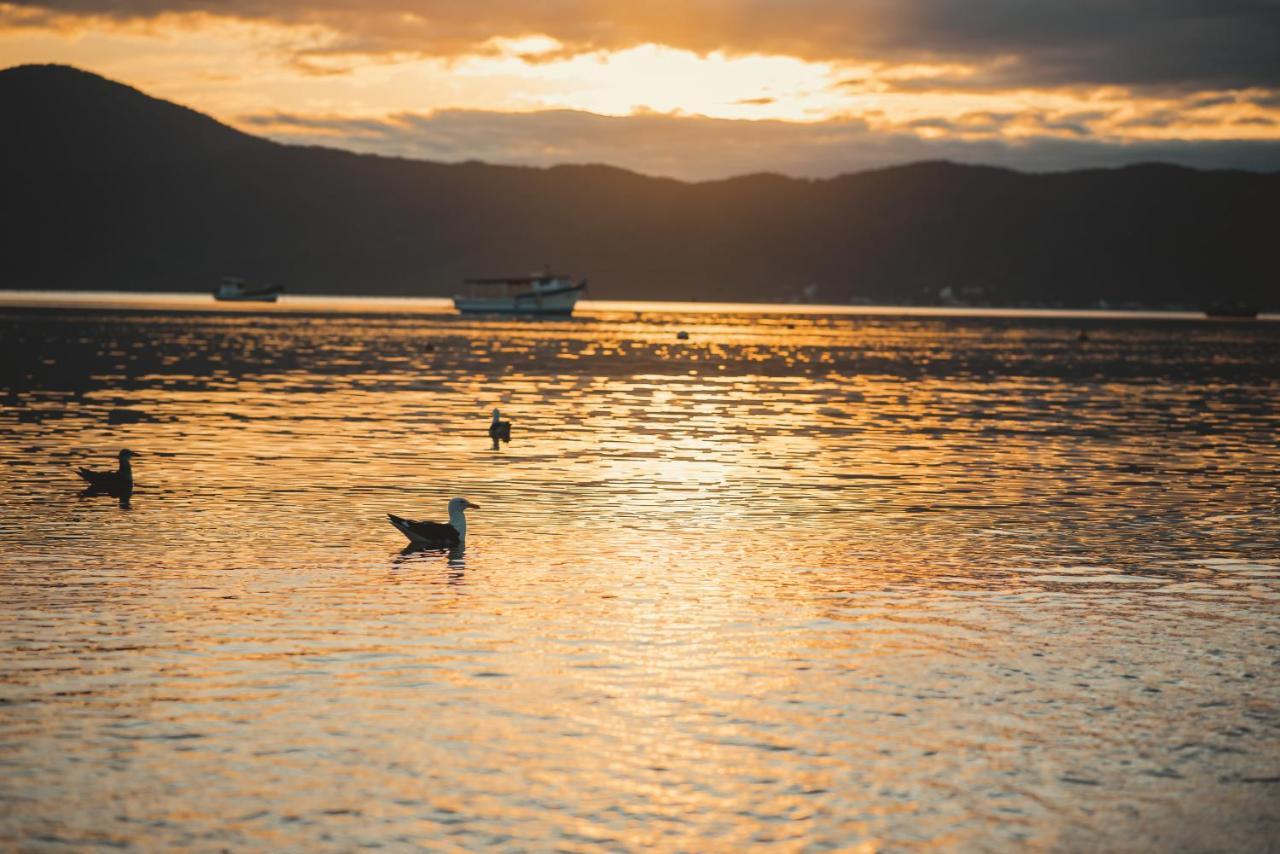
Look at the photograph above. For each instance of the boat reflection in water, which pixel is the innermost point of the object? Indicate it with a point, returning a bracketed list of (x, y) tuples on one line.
[(1229, 309), (539, 293)]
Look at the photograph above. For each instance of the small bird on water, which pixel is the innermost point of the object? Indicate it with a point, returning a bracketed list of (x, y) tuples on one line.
[(499, 430), (120, 480), (434, 535)]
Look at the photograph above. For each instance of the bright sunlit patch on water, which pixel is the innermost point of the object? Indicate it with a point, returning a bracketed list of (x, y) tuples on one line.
[(797, 581), (294, 303)]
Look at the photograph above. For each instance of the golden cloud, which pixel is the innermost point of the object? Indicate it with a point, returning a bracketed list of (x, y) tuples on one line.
[(1189, 44)]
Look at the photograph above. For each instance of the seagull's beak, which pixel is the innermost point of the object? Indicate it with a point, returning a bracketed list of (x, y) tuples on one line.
[(471, 506)]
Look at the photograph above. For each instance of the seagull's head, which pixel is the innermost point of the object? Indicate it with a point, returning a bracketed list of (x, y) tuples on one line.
[(127, 454), (457, 505), (495, 413)]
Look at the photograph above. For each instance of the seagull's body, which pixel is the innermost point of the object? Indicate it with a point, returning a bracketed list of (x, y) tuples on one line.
[(120, 480), (499, 429), (434, 535)]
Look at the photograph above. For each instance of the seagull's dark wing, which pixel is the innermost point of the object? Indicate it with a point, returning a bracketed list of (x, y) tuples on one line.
[(503, 430), (97, 478), (426, 532), (435, 531)]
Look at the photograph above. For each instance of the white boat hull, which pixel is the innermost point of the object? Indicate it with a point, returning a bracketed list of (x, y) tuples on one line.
[(558, 302)]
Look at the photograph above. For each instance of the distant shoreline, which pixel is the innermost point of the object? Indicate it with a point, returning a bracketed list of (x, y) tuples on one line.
[(383, 305)]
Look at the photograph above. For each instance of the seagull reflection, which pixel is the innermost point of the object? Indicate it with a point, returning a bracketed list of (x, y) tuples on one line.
[(455, 559), (457, 564), (121, 494), (414, 549)]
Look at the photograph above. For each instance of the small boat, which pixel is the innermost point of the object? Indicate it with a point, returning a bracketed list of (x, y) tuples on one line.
[(235, 289), (1239, 310), (539, 293)]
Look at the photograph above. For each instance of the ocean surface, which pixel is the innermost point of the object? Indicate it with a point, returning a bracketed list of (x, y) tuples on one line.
[(867, 581)]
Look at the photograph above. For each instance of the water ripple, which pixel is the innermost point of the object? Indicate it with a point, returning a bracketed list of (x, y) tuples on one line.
[(794, 582)]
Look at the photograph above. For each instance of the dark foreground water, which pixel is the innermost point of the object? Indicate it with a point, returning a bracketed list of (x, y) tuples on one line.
[(803, 583)]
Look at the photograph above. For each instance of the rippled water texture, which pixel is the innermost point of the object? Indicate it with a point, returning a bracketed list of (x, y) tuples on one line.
[(855, 582)]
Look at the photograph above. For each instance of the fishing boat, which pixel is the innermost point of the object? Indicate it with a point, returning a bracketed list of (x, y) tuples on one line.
[(539, 293), (234, 289), (1239, 310)]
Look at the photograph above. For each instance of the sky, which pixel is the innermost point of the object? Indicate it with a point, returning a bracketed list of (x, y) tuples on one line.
[(702, 89)]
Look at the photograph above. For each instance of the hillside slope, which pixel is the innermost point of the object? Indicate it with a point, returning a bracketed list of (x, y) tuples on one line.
[(109, 188)]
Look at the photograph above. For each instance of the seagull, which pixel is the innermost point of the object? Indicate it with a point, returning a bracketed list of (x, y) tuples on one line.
[(433, 535), (499, 430), (120, 480)]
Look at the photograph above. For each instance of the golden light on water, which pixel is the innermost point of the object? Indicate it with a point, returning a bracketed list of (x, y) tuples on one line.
[(848, 592), (746, 577)]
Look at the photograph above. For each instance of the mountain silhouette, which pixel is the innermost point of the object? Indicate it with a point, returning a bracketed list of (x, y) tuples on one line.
[(108, 188), (64, 115)]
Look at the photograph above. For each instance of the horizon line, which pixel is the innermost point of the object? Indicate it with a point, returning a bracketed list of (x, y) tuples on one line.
[(202, 302)]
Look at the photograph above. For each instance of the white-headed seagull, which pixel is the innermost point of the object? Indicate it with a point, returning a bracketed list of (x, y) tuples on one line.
[(434, 535)]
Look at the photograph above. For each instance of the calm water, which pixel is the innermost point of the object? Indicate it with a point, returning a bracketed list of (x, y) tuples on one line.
[(798, 582)]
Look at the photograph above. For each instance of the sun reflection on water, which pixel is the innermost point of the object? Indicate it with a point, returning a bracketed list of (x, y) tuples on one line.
[(799, 582)]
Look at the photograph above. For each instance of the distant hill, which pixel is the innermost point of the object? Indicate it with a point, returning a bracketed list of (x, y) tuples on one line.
[(107, 188)]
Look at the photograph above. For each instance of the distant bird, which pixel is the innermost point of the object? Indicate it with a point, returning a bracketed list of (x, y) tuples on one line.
[(433, 535), (499, 430), (1083, 336), (113, 482), (682, 335)]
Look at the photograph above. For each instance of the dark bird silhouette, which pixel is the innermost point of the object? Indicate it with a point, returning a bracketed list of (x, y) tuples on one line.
[(118, 484), (120, 480), (434, 535), (499, 430)]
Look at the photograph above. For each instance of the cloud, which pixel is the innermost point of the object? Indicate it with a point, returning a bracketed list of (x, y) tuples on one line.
[(1264, 99), (1170, 44), (694, 148), (1204, 102), (1022, 83), (1166, 119), (990, 123)]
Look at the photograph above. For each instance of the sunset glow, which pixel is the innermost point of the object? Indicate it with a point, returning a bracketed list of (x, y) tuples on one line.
[(646, 426), (424, 80)]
